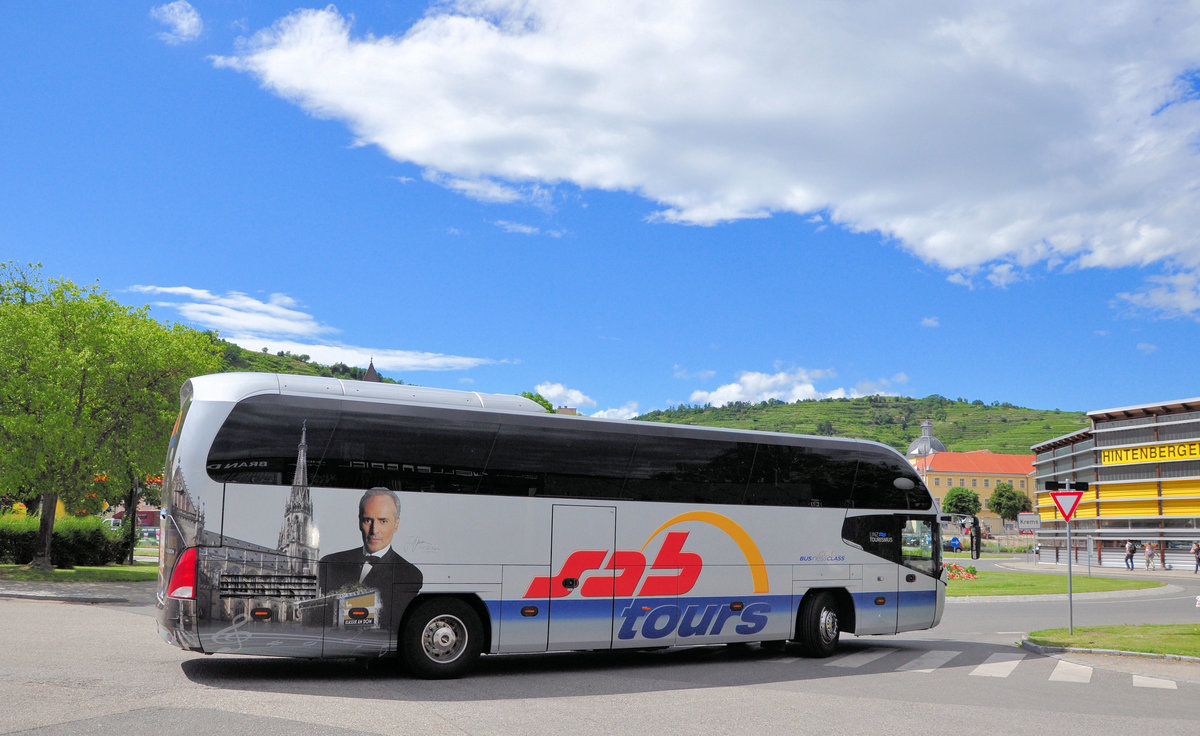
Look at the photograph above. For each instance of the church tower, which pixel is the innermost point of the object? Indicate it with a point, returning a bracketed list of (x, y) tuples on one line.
[(298, 538)]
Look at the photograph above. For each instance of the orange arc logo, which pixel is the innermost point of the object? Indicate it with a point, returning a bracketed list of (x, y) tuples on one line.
[(741, 538)]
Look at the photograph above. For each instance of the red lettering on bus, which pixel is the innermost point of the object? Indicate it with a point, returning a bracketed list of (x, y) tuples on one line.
[(670, 557), (631, 565)]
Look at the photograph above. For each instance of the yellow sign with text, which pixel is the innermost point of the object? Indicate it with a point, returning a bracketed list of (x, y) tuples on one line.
[(1150, 453)]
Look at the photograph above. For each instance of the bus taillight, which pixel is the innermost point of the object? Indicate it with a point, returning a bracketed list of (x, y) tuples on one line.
[(183, 578)]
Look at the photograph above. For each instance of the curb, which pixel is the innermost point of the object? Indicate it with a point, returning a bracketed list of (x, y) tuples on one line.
[(1040, 649), (46, 596)]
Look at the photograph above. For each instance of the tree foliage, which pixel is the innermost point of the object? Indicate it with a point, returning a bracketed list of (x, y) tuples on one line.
[(959, 500), (539, 399), (88, 388), (1007, 503)]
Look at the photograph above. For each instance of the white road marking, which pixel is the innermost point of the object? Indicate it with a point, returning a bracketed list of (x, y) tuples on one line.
[(998, 665), (929, 661), (1155, 682), (1066, 671), (858, 659)]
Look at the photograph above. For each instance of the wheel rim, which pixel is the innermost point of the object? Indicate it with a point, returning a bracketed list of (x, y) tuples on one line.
[(444, 639), (827, 626)]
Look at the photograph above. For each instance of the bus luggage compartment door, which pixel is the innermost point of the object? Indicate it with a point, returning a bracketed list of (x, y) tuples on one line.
[(582, 540), (879, 601)]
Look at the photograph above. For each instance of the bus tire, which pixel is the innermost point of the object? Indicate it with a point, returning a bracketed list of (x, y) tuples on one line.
[(441, 639), (817, 629)]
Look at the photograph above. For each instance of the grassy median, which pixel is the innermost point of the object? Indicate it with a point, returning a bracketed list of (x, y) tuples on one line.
[(1036, 583), (1171, 639)]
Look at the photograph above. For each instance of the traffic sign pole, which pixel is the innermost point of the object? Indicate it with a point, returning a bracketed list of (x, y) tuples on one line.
[(1070, 592), (1067, 500)]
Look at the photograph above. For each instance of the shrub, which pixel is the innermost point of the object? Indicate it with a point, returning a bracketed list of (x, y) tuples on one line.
[(77, 541)]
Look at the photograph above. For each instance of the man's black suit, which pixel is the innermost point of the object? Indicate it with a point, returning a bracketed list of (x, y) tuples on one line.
[(396, 579)]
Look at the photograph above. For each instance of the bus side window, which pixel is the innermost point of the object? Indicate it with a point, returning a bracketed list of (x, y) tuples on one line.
[(541, 460), (689, 470), (877, 534), (786, 475)]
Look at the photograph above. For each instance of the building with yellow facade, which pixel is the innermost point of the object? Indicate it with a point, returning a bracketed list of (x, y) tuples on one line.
[(1142, 466)]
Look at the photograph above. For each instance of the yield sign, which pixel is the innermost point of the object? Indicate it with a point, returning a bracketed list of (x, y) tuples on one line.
[(1067, 502)]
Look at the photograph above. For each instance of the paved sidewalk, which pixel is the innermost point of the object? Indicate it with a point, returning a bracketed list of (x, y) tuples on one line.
[(1024, 563), (135, 594)]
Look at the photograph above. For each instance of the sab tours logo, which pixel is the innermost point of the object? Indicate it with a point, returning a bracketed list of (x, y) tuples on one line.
[(657, 619)]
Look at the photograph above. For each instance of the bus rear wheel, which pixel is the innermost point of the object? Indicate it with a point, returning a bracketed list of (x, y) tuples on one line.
[(441, 639), (818, 629)]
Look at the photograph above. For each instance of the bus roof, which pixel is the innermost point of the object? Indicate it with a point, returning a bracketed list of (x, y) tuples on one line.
[(234, 387), (238, 386)]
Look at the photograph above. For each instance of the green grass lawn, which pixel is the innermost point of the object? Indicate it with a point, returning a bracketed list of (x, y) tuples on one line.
[(1032, 583), (108, 574), (1181, 639)]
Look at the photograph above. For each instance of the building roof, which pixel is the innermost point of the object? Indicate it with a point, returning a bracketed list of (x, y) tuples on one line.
[(1145, 410), (1072, 438), (926, 444), (979, 461)]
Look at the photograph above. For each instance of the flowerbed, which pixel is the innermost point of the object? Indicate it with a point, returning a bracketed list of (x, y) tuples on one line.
[(958, 572)]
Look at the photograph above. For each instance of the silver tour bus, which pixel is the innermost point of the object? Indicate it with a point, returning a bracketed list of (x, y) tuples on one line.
[(313, 517)]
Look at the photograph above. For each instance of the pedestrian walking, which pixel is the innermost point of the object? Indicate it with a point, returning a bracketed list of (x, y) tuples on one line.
[(1150, 556), (1129, 549), (1196, 556)]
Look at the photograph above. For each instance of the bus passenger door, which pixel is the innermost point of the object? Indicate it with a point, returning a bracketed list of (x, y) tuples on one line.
[(878, 602), (919, 561), (580, 608)]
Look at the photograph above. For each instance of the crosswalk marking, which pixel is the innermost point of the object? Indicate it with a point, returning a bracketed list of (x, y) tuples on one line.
[(858, 659), (1066, 671), (1143, 681), (998, 665), (929, 661)]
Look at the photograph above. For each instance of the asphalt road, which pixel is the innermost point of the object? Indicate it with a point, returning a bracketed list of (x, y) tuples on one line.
[(70, 668)]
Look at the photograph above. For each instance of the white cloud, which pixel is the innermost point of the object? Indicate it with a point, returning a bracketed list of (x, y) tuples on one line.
[(277, 324), (522, 229), (931, 322), (977, 136), (628, 411), (182, 20), (560, 395), (789, 386), (516, 227), (753, 387), (1175, 295), (235, 313), (1003, 274), (1146, 347)]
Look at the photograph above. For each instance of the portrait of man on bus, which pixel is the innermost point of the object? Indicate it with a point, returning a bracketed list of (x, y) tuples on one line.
[(374, 565)]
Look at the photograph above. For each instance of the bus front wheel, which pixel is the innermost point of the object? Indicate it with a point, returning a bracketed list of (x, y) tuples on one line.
[(441, 639), (818, 629)]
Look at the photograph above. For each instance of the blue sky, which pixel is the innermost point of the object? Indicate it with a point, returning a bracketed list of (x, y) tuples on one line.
[(626, 205)]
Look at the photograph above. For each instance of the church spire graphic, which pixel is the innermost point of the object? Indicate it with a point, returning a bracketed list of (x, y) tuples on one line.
[(297, 537)]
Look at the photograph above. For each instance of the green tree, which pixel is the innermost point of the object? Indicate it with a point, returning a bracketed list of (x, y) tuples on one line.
[(959, 500), (88, 386), (539, 399), (1007, 503)]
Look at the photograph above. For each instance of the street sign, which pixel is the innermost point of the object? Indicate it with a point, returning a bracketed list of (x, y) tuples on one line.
[(1028, 521), (1067, 502), (1078, 485)]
